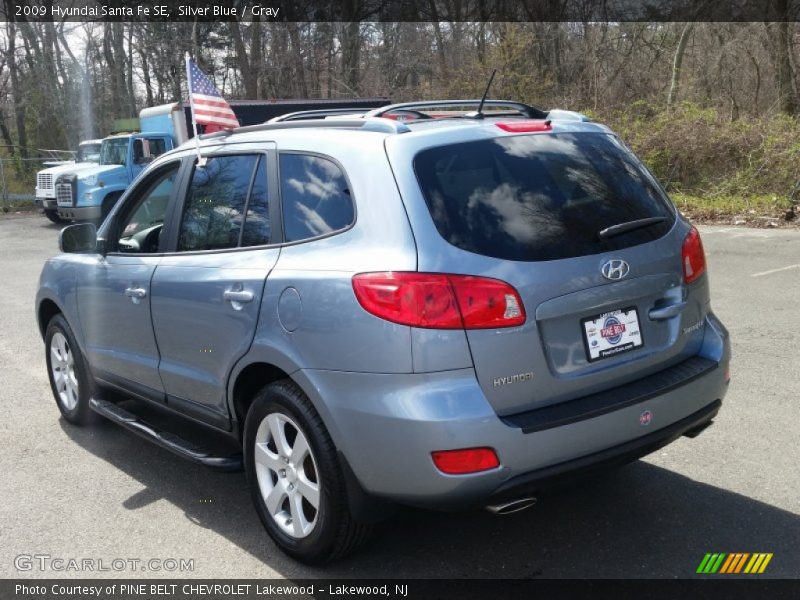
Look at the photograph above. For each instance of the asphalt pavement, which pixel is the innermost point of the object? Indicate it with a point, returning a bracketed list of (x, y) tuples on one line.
[(102, 494)]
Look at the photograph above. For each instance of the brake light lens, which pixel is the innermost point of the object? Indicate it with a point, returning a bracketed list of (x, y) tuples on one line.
[(524, 126), (487, 303), (439, 301), (693, 256), (467, 460)]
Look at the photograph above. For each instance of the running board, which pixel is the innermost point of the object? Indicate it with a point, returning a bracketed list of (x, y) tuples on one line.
[(166, 440)]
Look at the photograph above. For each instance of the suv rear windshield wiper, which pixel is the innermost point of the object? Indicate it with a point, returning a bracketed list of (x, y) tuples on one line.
[(621, 228)]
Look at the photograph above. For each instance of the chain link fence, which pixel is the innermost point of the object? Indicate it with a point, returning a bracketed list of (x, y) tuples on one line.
[(18, 177)]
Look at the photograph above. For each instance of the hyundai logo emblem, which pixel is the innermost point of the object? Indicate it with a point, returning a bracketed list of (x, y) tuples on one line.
[(615, 269)]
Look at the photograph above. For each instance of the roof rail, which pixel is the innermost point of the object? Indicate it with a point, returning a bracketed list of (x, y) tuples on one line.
[(378, 125), (525, 110), (319, 113)]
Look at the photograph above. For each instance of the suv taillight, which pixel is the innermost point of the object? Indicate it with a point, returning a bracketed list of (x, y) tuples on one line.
[(463, 462), (693, 256), (439, 301)]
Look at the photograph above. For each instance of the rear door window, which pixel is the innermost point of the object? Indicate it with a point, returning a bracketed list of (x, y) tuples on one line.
[(257, 230), (215, 205), (315, 197), (540, 197)]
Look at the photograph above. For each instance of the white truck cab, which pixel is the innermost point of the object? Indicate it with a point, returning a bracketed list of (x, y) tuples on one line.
[(88, 156)]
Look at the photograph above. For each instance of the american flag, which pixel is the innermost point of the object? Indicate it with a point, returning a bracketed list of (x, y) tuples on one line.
[(210, 107)]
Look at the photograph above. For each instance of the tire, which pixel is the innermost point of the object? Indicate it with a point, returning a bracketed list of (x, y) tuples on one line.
[(322, 533), (73, 389), (108, 204), (52, 214)]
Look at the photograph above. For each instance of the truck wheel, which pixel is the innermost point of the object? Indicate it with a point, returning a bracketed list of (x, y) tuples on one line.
[(52, 214), (295, 477), (70, 380)]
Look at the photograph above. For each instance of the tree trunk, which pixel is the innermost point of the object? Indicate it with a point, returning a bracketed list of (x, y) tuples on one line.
[(120, 86), (129, 73), (249, 75), (677, 64), (5, 133), (783, 60), (351, 56), (16, 92), (148, 86), (256, 56)]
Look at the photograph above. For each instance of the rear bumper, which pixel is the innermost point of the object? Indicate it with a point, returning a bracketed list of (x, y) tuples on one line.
[(387, 425), (80, 213), (530, 483)]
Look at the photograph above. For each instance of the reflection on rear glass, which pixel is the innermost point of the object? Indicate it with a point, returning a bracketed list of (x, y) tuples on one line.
[(539, 197)]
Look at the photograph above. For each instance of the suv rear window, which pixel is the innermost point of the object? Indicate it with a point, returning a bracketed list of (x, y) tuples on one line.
[(540, 197)]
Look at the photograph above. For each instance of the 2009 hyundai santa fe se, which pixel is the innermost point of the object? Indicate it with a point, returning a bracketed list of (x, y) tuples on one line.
[(443, 309)]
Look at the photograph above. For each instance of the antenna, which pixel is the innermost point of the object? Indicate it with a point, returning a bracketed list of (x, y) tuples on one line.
[(478, 114)]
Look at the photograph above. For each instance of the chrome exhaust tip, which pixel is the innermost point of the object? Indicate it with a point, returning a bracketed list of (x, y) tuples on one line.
[(513, 506)]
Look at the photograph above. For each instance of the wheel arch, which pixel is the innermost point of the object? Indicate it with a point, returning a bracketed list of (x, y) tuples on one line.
[(249, 376), (114, 194), (248, 379), (246, 383), (45, 311)]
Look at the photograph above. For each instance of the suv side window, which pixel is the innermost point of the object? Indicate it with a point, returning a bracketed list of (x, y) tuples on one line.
[(315, 197), (140, 230), (216, 203)]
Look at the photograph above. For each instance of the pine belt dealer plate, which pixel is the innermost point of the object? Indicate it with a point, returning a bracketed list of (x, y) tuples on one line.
[(611, 333)]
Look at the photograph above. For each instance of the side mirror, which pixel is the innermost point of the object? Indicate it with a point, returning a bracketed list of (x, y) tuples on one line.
[(78, 238)]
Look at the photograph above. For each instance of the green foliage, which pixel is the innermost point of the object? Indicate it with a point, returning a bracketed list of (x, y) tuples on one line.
[(696, 151), (713, 207)]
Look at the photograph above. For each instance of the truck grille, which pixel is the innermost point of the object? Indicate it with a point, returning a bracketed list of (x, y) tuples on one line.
[(64, 194), (44, 181)]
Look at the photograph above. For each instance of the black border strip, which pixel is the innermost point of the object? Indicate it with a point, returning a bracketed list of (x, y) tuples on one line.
[(403, 10), (465, 588)]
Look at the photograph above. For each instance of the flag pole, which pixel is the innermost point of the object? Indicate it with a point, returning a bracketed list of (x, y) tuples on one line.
[(200, 160)]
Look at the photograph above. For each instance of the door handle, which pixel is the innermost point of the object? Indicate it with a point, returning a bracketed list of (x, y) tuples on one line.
[(135, 294), (138, 293), (238, 296), (661, 314)]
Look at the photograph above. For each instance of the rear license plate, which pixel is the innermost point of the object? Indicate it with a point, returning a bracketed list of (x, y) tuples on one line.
[(611, 333)]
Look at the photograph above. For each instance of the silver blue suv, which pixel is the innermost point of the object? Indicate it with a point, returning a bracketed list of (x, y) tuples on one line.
[(425, 305)]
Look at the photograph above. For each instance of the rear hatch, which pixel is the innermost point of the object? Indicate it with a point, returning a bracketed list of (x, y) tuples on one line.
[(591, 243)]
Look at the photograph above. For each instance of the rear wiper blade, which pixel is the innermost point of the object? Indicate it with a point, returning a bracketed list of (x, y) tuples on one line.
[(620, 228)]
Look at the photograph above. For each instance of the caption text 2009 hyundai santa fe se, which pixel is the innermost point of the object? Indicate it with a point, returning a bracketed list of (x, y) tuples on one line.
[(443, 309)]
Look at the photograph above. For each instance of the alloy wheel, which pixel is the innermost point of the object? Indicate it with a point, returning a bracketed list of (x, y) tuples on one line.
[(62, 368), (287, 475)]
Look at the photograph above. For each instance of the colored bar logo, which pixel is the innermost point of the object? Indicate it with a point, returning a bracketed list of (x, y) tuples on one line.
[(737, 562)]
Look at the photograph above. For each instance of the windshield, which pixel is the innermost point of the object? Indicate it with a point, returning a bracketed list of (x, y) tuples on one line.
[(541, 197), (114, 152), (88, 153)]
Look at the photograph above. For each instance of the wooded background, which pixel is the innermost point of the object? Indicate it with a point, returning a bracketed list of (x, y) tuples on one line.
[(711, 106)]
